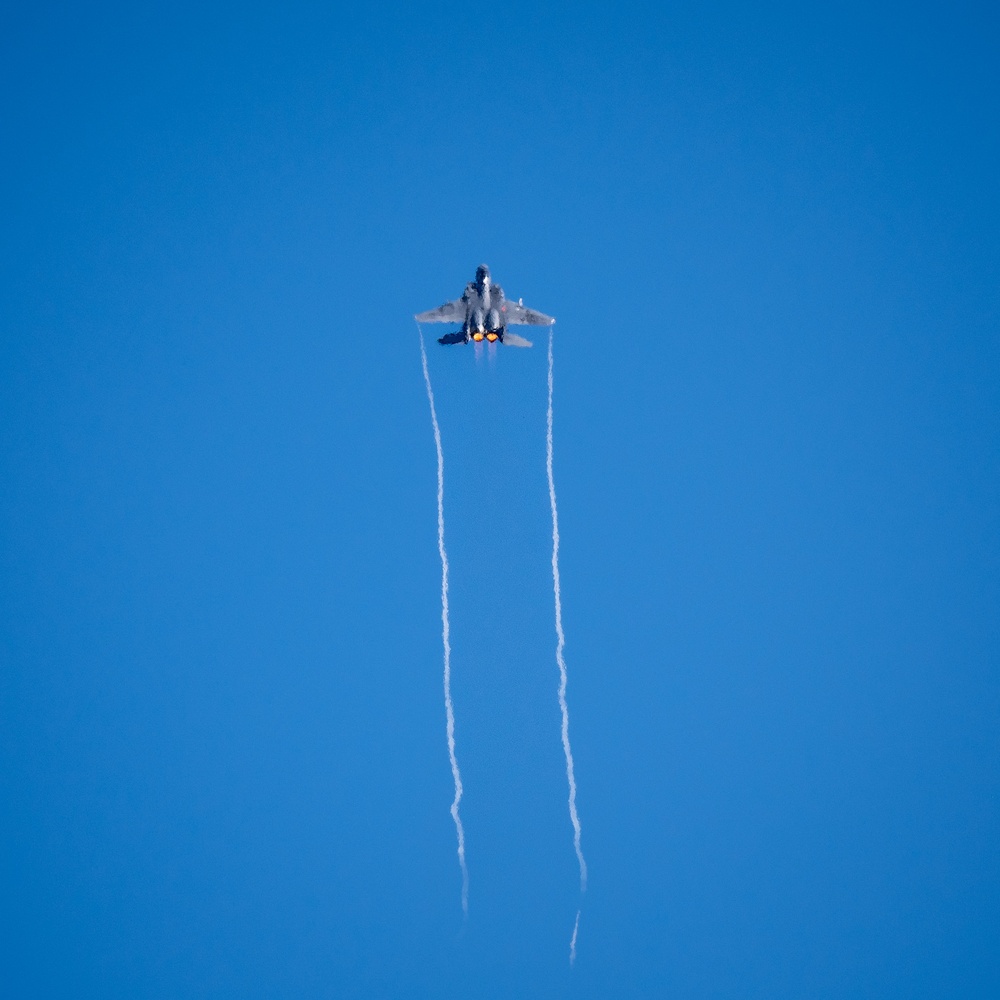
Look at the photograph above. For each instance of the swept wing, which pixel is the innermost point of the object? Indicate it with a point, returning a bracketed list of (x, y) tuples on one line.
[(450, 312), (516, 313)]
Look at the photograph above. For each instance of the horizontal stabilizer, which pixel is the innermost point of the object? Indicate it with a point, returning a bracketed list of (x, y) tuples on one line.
[(513, 340)]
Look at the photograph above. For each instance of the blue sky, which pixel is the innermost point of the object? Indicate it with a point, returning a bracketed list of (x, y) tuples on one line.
[(770, 238)]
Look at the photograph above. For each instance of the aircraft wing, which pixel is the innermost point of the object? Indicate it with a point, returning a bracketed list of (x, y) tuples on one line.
[(517, 313), (450, 312), (513, 340)]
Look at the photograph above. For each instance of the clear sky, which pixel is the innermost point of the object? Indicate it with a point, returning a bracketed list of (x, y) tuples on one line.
[(770, 238)]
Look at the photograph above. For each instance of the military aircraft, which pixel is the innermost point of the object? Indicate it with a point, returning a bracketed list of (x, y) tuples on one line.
[(485, 314)]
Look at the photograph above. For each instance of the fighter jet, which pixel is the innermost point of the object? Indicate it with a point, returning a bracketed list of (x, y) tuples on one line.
[(485, 313)]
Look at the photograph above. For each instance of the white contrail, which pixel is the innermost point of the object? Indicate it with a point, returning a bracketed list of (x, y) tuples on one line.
[(446, 634), (572, 940), (570, 776)]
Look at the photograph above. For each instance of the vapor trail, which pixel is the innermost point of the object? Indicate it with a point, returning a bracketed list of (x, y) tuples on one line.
[(564, 708), (572, 940), (446, 633)]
